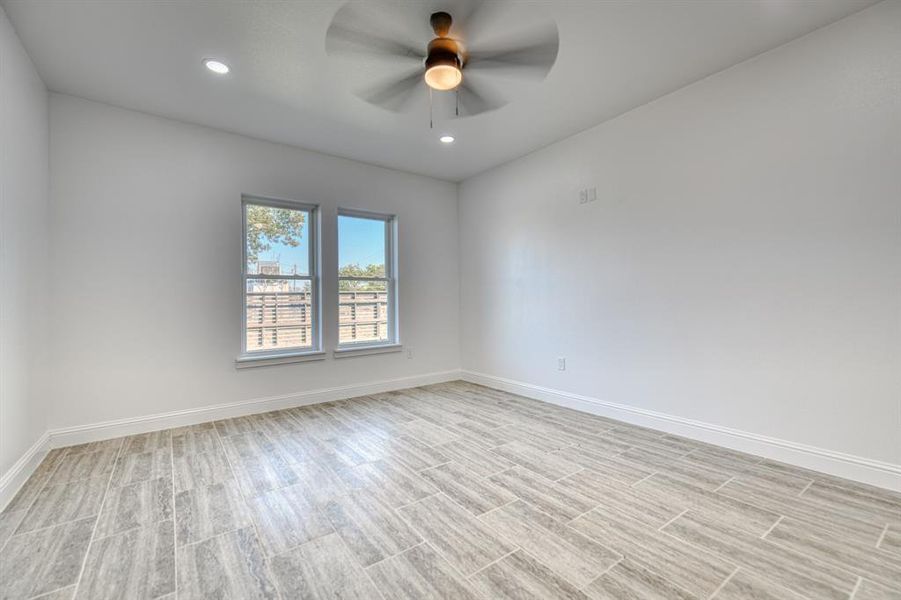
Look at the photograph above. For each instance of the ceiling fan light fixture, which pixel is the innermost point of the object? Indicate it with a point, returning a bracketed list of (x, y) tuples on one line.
[(443, 77), (443, 68)]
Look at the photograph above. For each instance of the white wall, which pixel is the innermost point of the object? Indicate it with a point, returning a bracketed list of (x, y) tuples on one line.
[(146, 223), (24, 278), (742, 263)]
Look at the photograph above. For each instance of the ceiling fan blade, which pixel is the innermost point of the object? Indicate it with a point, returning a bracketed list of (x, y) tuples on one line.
[(534, 59), (340, 39), (474, 99), (395, 93), (467, 22)]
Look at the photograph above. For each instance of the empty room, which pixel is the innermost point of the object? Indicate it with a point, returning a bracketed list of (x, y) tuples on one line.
[(450, 299)]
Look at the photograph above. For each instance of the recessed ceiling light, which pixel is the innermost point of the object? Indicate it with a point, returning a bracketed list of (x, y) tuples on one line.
[(447, 139), (216, 66)]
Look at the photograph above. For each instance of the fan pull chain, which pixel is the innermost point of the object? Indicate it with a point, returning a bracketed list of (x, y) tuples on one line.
[(431, 123), (457, 101)]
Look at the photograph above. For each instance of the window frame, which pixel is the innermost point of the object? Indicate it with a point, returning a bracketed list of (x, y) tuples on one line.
[(296, 353), (390, 280)]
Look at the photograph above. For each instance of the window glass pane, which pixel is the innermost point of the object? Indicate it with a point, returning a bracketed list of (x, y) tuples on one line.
[(361, 247), (278, 241), (279, 314), (362, 311)]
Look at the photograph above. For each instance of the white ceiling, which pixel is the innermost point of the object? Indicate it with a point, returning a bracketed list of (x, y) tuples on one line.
[(614, 55)]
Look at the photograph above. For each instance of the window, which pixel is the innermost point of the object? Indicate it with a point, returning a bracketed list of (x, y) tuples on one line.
[(366, 280), (281, 279)]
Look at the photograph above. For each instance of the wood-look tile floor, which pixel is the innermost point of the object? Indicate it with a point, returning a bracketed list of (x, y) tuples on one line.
[(448, 491)]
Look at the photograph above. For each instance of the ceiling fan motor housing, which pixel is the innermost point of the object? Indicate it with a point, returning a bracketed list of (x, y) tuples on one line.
[(443, 64), (443, 51)]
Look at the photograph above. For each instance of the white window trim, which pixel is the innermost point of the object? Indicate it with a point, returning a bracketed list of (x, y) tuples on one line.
[(360, 349), (283, 358), (392, 344), (287, 355)]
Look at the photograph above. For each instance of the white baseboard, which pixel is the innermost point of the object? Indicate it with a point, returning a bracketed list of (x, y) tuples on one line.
[(80, 434), (882, 474), (13, 479), (858, 468), (16, 476)]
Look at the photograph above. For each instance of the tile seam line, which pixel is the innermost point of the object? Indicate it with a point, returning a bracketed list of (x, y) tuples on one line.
[(363, 568), (724, 582), (87, 553), (827, 567), (607, 570), (40, 491), (772, 527), (437, 550), (246, 507), (882, 535), (495, 561), (174, 514), (387, 558)]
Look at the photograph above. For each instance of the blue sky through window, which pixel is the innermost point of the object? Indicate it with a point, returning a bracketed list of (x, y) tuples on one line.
[(360, 241)]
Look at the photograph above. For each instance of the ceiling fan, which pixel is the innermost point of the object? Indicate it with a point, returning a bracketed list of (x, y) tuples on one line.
[(477, 71)]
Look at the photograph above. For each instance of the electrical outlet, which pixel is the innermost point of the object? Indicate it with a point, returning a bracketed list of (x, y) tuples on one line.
[(561, 363), (409, 353), (588, 195)]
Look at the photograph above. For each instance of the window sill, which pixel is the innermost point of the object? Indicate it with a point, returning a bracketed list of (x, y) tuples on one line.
[(265, 360), (348, 351)]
